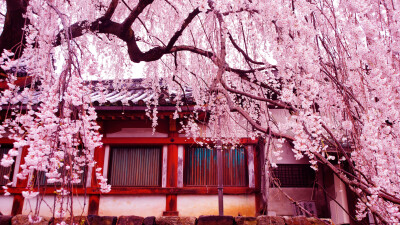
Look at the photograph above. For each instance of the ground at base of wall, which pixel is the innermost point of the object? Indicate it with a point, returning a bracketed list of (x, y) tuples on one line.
[(168, 220)]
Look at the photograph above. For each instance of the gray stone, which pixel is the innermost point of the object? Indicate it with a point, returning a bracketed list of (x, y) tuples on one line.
[(5, 220), (315, 221), (24, 219), (270, 220), (130, 220), (298, 220), (81, 220), (244, 220), (215, 220), (175, 220), (151, 220), (102, 220)]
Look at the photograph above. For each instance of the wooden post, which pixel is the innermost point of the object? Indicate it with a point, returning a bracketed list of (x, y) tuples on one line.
[(172, 171), (18, 205), (94, 200), (94, 203)]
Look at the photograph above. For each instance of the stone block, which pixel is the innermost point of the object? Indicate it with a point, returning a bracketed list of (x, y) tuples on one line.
[(315, 221), (24, 219), (102, 220), (297, 220), (215, 220), (5, 220), (270, 220), (176, 220), (151, 220), (130, 220), (244, 220), (81, 220)]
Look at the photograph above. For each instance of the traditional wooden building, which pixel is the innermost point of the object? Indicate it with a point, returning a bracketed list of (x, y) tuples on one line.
[(163, 173)]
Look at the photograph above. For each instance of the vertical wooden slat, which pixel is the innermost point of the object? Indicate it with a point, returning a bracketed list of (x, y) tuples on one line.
[(135, 166), (201, 167), (180, 166), (5, 170), (164, 165)]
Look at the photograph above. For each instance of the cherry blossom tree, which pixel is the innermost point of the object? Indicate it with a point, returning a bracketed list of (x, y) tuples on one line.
[(333, 65)]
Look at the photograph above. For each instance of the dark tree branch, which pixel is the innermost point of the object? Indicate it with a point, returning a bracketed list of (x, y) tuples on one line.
[(246, 56), (178, 33), (241, 111), (243, 74), (105, 25), (111, 9), (169, 3), (135, 12), (251, 11), (273, 102)]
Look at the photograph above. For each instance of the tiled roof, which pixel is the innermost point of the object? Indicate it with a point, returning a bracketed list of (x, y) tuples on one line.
[(129, 93), (132, 93)]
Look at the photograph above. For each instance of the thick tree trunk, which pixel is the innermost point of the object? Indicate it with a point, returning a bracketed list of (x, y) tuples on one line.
[(264, 177), (12, 37)]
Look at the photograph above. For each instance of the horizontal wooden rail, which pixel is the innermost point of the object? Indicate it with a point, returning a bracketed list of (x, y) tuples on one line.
[(148, 140), (167, 140), (148, 190)]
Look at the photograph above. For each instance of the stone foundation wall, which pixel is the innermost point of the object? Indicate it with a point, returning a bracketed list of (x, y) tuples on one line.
[(172, 220)]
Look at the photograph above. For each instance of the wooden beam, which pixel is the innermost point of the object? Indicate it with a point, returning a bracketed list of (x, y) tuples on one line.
[(155, 140), (146, 190), (20, 82), (6, 141)]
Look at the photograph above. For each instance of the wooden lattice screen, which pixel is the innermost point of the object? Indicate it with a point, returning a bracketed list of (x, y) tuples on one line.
[(5, 170), (135, 166), (294, 175), (201, 167)]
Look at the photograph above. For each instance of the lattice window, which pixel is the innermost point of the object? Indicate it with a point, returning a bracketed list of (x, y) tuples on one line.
[(294, 175), (41, 179), (5, 170), (201, 167), (135, 166)]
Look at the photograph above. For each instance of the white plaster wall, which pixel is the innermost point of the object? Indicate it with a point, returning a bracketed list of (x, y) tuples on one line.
[(197, 205), (46, 206), (280, 115), (6, 203), (141, 205), (278, 204), (136, 132), (339, 216), (287, 154)]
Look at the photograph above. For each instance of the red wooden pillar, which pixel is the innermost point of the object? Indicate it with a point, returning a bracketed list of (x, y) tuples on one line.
[(94, 199), (18, 202), (22, 183), (18, 205), (172, 172)]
